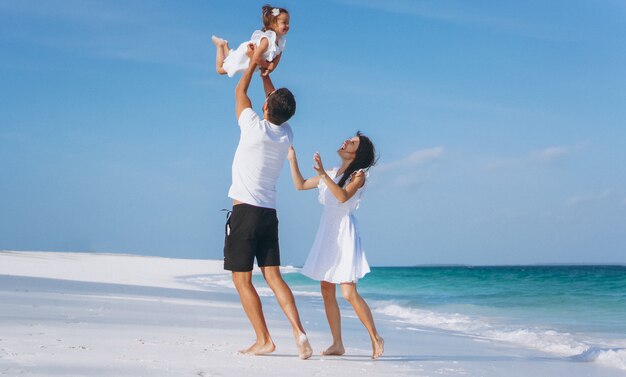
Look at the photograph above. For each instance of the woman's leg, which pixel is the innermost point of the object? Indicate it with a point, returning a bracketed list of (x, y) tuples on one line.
[(365, 315), (333, 316)]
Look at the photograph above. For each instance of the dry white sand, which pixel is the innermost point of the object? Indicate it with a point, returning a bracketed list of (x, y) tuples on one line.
[(82, 314)]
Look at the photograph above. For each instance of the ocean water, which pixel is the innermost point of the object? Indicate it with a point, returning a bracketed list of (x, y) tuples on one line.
[(571, 311)]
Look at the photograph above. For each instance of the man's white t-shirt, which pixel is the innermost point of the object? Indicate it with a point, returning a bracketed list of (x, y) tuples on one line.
[(259, 158)]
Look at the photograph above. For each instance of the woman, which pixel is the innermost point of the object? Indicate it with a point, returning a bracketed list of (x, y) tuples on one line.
[(337, 256)]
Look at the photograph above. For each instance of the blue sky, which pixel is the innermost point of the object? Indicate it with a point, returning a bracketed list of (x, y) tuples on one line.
[(501, 126)]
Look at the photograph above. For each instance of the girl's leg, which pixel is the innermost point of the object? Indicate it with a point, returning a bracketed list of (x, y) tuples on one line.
[(334, 318), (365, 315), (221, 52), (226, 49)]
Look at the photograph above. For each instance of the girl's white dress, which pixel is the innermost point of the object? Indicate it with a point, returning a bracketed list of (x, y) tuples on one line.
[(337, 255), (237, 60)]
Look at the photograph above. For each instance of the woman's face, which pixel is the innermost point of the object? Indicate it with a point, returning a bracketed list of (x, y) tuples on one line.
[(349, 147)]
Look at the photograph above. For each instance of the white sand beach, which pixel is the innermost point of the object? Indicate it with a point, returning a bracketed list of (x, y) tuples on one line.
[(87, 314)]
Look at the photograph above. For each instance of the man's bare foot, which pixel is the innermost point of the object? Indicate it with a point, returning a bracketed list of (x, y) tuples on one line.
[(335, 350), (259, 349), (219, 42), (378, 347), (304, 347)]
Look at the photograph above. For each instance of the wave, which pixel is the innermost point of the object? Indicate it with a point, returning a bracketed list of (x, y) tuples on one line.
[(289, 269), (613, 357), (550, 341), (547, 340), (225, 280), (212, 280), (267, 292)]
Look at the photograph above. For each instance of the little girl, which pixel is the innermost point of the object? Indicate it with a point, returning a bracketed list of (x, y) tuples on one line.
[(269, 44), (337, 256)]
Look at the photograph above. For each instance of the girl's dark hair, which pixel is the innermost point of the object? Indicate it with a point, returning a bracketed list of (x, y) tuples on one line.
[(365, 158), (268, 17)]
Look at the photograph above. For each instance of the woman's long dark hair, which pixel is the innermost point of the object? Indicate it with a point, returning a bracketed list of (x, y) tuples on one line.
[(365, 158)]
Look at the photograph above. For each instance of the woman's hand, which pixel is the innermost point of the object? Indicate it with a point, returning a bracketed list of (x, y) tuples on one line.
[(317, 165)]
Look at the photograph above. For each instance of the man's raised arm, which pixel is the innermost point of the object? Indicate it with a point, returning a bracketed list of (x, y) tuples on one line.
[(268, 86), (242, 101)]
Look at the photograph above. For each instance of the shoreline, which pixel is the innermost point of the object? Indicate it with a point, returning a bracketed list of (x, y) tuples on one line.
[(96, 314)]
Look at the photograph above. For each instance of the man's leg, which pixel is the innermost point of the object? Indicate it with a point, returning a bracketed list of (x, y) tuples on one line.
[(285, 299), (252, 306)]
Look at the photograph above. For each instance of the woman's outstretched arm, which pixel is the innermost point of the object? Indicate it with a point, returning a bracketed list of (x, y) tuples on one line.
[(298, 181)]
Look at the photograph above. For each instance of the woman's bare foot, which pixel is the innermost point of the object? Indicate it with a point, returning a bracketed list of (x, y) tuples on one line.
[(259, 349), (378, 347), (219, 42), (304, 347), (336, 349)]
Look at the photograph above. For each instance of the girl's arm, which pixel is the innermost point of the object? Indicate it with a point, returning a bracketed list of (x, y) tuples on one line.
[(271, 66), (343, 194), (257, 57), (299, 182)]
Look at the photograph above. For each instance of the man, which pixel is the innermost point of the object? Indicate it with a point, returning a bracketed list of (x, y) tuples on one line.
[(252, 229)]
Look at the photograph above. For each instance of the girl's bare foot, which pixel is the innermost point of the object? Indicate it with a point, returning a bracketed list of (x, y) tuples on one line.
[(259, 349), (304, 347), (378, 347), (336, 349), (219, 42)]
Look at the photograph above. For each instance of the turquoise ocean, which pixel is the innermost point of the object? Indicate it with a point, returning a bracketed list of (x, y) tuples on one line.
[(570, 311)]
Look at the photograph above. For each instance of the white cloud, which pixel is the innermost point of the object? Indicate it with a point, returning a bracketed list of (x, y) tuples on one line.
[(556, 152), (417, 158), (449, 11), (588, 198), (112, 31), (545, 155), (409, 171), (77, 12), (460, 12)]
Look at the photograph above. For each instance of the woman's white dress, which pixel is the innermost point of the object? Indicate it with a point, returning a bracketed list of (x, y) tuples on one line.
[(237, 60), (337, 255)]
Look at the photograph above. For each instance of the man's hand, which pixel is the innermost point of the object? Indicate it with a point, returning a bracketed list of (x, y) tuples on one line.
[(268, 70), (250, 50), (291, 155)]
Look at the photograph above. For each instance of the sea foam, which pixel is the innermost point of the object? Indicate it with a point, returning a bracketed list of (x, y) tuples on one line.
[(613, 357), (550, 341)]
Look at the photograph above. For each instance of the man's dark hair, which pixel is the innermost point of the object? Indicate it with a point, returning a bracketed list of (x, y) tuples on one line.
[(281, 105)]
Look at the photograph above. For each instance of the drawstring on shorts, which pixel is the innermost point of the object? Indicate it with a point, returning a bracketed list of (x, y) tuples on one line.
[(227, 225)]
